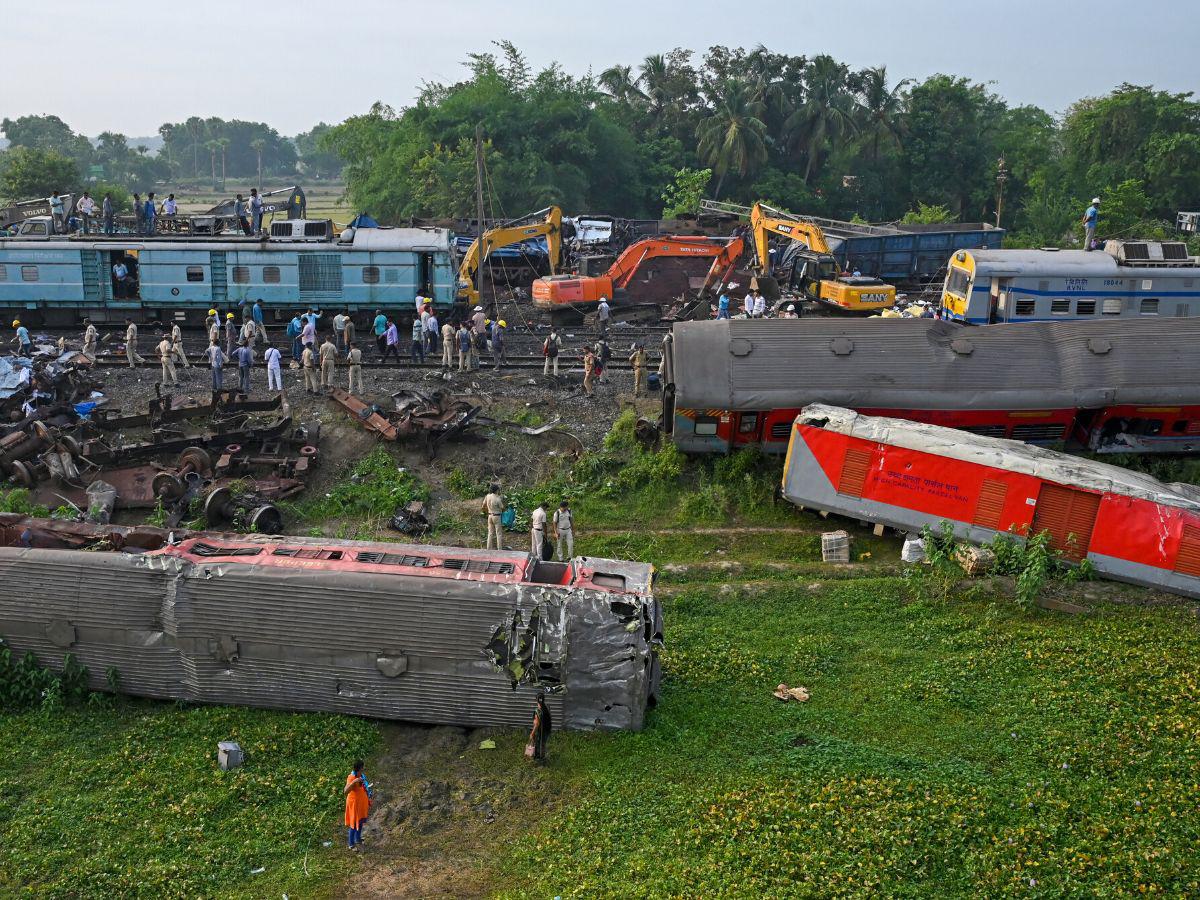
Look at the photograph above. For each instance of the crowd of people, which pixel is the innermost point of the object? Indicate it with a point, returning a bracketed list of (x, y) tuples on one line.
[(150, 216)]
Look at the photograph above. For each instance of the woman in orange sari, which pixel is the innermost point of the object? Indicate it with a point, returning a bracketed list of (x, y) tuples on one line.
[(358, 804)]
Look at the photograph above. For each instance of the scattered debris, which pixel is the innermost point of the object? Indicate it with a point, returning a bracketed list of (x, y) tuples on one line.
[(975, 560), (436, 418), (487, 744), (835, 547), (411, 519), (785, 693), (229, 756)]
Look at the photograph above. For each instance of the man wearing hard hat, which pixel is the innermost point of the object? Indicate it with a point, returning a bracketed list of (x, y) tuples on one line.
[(24, 343), (498, 356), (1089, 223)]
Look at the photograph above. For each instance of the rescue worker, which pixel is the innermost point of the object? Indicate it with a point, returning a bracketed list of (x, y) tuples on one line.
[(447, 346), (308, 331), (328, 361), (723, 305), (247, 331), (602, 316), (177, 351), (358, 805), (164, 348), (216, 359), (432, 331), (637, 359), (417, 348), (131, 353), (603, 355), (339, 324), (493, 508), (539, 737), (391, 343), (550, 350), (272, 357), (564, 531), (90, 336), (354, 358), (245, 359), (464, 347), (308, 361), (760, 305), (537, 530), (498, 343), (379, 326), (231, 331), (589, 370), (477, 320), (214, 330), (294, 329), (1090, 217), (212, 320), (256, 314), (23, 341)]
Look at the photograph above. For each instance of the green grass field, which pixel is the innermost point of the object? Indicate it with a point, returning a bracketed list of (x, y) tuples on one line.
[(960, 747)]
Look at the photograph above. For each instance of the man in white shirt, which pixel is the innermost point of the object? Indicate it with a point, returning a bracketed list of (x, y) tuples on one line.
[(760, 305), (602, 316), (274, 377), (170, 207), (339, 329), (537, 530), (748, 305), (86, 207)]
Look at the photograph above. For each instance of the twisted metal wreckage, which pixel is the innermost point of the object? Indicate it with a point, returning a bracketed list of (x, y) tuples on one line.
[(437, 635)]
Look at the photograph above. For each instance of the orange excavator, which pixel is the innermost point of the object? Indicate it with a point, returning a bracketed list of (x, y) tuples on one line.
[(565, 296)]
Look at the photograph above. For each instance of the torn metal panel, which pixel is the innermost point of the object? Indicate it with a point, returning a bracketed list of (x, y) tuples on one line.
[(419, 633)]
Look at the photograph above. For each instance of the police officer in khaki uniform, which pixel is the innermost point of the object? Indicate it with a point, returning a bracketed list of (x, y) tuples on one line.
[(328, 361), (177, 346), (493, 506), (637, 359), (564, 530), (355, 360), (537, 530), (308, 361), (164, 349), (131, 353)]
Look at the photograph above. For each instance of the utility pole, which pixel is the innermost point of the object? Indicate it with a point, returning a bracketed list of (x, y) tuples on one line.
[(1001, 178), (479, 209)]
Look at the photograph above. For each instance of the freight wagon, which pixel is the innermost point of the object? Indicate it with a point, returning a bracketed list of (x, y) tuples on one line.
[(1110, 387), (908, 475), (439, 635), (1127, 280), (57, 280)]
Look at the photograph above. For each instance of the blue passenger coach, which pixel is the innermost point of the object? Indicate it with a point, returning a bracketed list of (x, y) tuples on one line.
[(57, 280), (1130, 279)]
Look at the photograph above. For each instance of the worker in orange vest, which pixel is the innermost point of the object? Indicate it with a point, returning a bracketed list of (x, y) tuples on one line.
[(358, 804)]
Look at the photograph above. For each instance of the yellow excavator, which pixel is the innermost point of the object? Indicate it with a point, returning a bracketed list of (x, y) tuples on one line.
[(545, 223), (817, 272)]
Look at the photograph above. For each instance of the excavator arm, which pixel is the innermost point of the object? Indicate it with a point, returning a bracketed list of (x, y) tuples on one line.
[(550, 227), (765, 222), (627, 264)]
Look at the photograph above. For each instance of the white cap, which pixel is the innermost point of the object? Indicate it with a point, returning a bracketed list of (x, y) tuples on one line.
[(1095, 199), (603, 299), (791, 306), (479, 309)]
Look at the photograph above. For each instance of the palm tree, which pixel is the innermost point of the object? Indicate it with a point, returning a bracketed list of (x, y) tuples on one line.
[(618, 82), (882, 109), (259, 145), (653, 79), (826, 116), (733, 136)]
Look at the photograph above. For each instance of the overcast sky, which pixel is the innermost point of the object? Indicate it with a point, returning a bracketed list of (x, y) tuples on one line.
[(130, 65)]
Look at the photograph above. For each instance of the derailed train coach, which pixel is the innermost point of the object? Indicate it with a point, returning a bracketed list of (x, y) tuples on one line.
[(425, 634), (1125, 386), (908, 475)]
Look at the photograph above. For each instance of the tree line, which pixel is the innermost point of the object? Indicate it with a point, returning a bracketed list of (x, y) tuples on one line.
[(808, 134)]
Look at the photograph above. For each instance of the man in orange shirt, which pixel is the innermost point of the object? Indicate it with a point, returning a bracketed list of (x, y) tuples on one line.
[(358, 804)]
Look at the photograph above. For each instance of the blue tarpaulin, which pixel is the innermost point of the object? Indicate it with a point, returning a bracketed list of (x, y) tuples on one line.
[(362, 220)]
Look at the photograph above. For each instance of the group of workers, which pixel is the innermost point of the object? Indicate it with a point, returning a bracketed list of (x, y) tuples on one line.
[(147, 213), (563, 522)]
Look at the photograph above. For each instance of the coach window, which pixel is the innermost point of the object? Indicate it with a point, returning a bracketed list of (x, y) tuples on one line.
[(1112, 306), (748, 423), (1060, 307), (270, 274), (1179, 426), (241, 274), (195, 273), (29, 273), (370, 274), (1149, 307), (706, 425), (3, 273), (1085, 307), (1025, 308), (1146, 427)]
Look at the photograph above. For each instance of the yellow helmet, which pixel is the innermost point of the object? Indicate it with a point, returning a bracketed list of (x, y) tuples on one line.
[(503, 324), (212, 312), (229, 315), (16, 322)]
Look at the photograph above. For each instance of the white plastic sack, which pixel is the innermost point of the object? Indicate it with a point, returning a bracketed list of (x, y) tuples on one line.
[(913, 550)]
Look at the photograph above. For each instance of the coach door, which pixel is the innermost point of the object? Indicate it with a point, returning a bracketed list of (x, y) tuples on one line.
[(1069, 516), (749, 428)]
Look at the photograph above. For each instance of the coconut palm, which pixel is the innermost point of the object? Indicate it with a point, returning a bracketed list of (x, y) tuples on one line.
[(620, 84), (653, 80), (826, 117), (733, 137), (258, 145), (881, 108)]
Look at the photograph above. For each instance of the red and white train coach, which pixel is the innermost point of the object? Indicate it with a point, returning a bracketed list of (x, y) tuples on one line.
[(907, 475)]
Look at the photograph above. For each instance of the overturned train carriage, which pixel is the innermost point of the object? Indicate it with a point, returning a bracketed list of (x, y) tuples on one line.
[(1124, 386), (417, 633), (907, 475)]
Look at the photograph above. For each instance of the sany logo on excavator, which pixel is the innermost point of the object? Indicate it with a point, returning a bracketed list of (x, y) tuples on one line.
[(784, 229)]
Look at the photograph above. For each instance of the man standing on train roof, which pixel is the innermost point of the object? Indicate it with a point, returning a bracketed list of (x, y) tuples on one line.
[(169, 378), (90, 336), (379, 326), (239, 212), (149, 216), (329, 356), (169, 206), (256, 211), (107, 211), (139, 214), (86, 207), (1089, 223), (131, 353), (274, 376), (22, 340), (177, 346), (294, 329), (57, 218), (256, 313), (493, 508)]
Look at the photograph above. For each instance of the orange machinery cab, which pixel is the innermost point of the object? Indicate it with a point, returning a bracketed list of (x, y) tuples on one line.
[(561, 290)]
